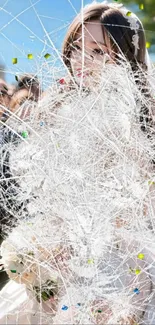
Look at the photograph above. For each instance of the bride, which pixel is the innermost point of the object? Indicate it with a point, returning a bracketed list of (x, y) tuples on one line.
[(82, 251)]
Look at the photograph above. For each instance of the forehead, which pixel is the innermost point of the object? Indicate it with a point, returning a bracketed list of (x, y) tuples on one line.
[(92, 32)]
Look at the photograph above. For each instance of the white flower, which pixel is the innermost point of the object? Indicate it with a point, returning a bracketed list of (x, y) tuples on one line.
[(133, 21), (135, 42), (8, 253), (19, 268)]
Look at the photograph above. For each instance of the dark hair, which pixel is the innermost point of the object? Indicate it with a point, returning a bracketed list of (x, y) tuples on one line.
[(9, 206), (31, 83), (116, 27)]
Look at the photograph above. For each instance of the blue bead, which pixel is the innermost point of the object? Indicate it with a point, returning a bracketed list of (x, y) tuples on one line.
[(136, 291), (64, 307)]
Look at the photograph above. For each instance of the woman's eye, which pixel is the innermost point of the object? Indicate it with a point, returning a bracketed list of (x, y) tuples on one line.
[(76, 47), (98, 51)]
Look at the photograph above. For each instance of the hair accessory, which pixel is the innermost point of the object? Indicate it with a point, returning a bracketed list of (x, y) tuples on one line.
[(134, 25)]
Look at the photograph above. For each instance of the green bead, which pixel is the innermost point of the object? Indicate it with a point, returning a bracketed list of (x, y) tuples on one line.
[(24, 134)]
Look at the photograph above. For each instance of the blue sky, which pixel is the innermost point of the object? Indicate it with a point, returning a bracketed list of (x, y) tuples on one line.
[(24, 25)]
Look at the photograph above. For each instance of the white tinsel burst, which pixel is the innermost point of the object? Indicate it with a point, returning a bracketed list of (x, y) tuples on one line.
[(87, 224)]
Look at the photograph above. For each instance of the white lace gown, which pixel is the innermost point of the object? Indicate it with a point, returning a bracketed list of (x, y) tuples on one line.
[(86, 166)]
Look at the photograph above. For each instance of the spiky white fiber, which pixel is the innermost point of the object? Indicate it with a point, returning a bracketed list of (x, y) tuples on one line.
[(86, 183)]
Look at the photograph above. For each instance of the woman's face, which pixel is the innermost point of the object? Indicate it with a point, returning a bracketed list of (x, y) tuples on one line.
[(89, 53), (4, 99)]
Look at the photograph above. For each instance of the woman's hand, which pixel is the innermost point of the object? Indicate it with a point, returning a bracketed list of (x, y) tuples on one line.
[(130, 320)]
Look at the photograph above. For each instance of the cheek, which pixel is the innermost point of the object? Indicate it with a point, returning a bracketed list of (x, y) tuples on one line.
[(75, 60), (5, 100), (76, 66), (72, 63)]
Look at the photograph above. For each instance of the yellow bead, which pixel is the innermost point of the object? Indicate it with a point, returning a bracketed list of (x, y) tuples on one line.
[(14, 60), (47, 56), (140, 256), (137, 271), (148, 45), (90, 261), (30, 56), (141, 6)]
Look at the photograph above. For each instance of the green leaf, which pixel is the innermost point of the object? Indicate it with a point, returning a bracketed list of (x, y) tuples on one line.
[(45, 296)]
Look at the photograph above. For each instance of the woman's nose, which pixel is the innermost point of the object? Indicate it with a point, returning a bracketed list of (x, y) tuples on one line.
[(89, 56), (83, 57)]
